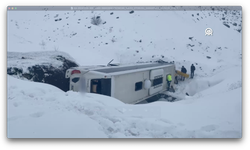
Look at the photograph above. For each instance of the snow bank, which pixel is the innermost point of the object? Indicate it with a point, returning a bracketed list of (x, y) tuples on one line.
[(37, 110), (222, 82), (209, 116), (53, 125)]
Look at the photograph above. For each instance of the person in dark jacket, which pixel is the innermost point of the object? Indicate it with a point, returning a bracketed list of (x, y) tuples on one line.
[(192, 71), (176, 79), (184, 70)]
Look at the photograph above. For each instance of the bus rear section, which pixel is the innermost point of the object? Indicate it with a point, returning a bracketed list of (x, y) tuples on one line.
[(86, 81)]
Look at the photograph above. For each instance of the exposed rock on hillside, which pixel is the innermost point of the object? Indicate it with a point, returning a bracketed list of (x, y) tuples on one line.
[(46, 67)]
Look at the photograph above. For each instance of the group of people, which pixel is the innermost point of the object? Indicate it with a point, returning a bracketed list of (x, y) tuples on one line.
[(184, 70)]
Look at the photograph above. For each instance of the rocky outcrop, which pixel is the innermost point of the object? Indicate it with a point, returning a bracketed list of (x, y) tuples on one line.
[(49, 68)]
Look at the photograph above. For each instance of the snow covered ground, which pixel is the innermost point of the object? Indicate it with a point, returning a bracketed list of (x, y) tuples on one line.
[(35, 112), (213, 108)]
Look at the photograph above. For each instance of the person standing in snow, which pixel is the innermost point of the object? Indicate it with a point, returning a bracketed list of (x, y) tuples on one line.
[(192, 71), (183, 70), (176, 79), (169, 79)]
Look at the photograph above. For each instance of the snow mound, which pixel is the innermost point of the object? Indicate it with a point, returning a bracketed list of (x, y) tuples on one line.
[(196, 86), (38, 110), (222, 81)]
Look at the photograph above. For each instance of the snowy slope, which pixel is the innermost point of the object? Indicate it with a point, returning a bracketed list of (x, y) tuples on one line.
[(212, 109), (129, 38)]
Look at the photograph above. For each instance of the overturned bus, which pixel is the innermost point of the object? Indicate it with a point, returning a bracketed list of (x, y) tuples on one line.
[(128, 83)]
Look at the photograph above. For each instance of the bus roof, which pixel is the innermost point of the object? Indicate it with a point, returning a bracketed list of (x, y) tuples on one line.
[(129, 68)]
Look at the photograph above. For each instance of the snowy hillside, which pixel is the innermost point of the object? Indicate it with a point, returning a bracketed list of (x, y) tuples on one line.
[(213, 108), (128, 36)]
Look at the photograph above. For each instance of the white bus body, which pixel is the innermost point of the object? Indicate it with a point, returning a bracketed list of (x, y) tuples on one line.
[(128, 83)]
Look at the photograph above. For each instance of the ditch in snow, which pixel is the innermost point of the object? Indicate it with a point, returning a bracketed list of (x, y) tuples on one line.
[(190, 87)]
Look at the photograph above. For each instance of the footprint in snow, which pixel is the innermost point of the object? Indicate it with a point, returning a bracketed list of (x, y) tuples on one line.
[(16, 104), (209, 128), (14, 118), (37, 114), (181, 124), (166, 121)]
